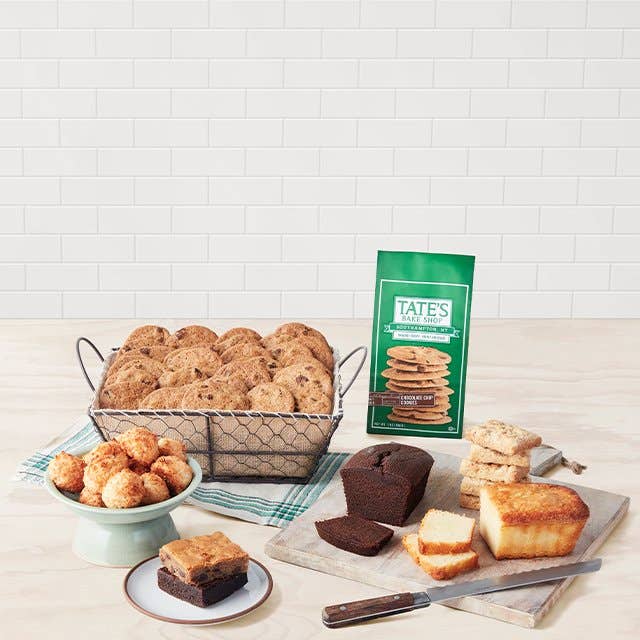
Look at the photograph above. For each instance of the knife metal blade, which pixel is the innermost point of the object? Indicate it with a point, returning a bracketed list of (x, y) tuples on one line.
[(340, 615), (498, 583)]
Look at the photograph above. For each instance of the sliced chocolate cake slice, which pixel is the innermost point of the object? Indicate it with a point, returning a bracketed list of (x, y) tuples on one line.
[(354, 534)]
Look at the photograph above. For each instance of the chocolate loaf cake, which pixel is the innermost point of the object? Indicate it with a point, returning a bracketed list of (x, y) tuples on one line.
[(386, 481), (203, 595), (354, 534)]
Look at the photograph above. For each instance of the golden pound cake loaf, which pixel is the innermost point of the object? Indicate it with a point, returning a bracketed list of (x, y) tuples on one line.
[(531, 520)]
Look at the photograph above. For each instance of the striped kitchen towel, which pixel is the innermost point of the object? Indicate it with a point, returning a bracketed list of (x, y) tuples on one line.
[(272, 504)]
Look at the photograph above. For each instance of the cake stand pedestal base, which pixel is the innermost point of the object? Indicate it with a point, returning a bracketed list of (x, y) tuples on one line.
[(122, 545)]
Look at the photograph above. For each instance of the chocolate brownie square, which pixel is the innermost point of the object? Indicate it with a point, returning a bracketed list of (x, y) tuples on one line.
[(203, 595)]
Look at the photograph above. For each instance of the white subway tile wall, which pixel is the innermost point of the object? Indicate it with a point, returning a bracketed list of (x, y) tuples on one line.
[(247, 158)]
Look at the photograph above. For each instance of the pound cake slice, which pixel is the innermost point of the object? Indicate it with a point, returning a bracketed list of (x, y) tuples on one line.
[(531, 520), (440, 566), (445, 532)]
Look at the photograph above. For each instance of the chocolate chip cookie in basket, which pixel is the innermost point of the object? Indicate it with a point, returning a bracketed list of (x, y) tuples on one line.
[(247, 406)]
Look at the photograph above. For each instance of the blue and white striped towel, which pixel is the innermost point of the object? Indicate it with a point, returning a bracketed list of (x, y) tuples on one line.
[(270, 504)]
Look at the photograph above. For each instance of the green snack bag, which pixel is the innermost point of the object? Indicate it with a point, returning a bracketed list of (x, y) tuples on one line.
[(419, 344)]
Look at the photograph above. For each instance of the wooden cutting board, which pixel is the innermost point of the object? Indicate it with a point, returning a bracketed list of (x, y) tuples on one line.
[(393, 569)]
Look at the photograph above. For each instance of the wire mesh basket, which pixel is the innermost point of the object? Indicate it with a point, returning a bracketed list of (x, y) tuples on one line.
[(232, 446)]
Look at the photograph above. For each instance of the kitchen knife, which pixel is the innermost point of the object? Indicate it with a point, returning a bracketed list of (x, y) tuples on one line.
[(341, 615)]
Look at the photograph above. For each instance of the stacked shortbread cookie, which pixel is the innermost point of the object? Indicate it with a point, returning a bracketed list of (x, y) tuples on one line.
[(500, 452), (414, 369)]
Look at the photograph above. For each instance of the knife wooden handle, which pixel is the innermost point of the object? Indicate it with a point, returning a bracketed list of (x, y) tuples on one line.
[(341, 615)]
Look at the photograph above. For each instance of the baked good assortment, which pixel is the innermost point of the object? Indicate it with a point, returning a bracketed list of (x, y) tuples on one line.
[(500, 453), (202, 570), (521, 519), (135, 469), (412, 369), (531, 520), (385, 482), (289, 370)]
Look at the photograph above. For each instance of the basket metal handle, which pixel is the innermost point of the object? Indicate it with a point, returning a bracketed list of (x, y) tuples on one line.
[(363, 349), (79, 341)]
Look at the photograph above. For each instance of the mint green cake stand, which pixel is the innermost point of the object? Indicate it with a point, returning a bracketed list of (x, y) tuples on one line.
[(123, 537)]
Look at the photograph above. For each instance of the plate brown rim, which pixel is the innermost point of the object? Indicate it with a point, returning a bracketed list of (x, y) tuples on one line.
[(196, 622)]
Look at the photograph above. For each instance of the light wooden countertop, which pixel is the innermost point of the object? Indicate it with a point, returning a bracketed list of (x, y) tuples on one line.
[(575, 382)]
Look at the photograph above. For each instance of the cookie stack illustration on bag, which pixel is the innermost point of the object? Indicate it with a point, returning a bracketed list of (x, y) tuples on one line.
[(500, 453), (415, 369)]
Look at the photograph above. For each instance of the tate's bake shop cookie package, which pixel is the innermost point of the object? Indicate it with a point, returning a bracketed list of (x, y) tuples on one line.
[(419, 344)]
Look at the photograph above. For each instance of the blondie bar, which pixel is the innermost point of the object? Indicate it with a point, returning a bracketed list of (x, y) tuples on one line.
[(202, 559)]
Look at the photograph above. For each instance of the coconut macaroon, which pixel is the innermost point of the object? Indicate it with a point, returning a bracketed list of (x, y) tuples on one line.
[(140, 444), (123, 490), (66, 472), (155, 470), (175, 472), (109, 448), (138, 468), (155, 488), (100, 469), (170, 447), (90, 498)]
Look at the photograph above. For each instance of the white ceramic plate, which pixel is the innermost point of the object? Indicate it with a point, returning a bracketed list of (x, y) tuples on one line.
[(142, 592)]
